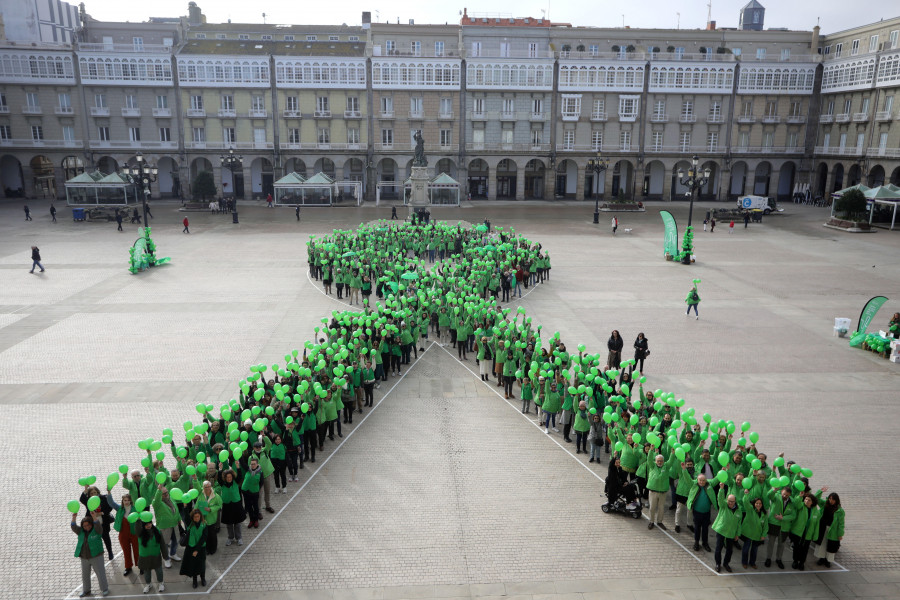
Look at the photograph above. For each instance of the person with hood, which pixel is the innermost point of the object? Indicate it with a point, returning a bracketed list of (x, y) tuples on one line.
[(152, 552), (194, 563), (693, 301), (831, 529), (782, 513), (701, 501), (36, 259), (90, 550), (754, 528), (727, 527)]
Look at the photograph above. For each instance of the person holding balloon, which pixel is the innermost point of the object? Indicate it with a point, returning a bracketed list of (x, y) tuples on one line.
[(754, 528), (701, 501), (233, 513), (727, 526), (127, 539), (805, 529), (209, 503), (90, 546), (782, 513), (194, 563), (92, 491), (152, 552), (831, 529)]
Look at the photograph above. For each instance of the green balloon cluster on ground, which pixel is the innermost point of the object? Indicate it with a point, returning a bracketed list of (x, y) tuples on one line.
[(142, 254)]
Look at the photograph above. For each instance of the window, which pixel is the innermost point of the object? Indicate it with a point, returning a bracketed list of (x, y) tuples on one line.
[(198, 135), (796, 107), (888, 104), (353, 104), (291, 104), (257, 103), (415, 106), (860, 140), (353, 136), (594, 49), (266, 38), (842, 141), (138, 43), (747, 108), (310, 38), (446, 106), (894, 38), (134, 134), (736, 51), (537, 106), (131, 101), (882, 140), (289, 38), (509, 106), (537, 138), (446, 137), (760, 54), (387, 138), (848, 104), (164, 134), (162, 102), (712, 141), (656, 140), (827, 50), (322, 105), (659, 110), (68, 133), (478, 138), (476, 50), (387, 105), (103, 134), (571, 106), (792, 138), (756, 16), (333, 38), (568, 139), (854, 47), (504, 49), (596, 141), (687, 109), (31, 99), (228, 135), (830, 109), (259, 136), (684, 141), (864, 106), (715, 111), (415, 48), (785, 54), (628, 107), (221, 36), (37, 133), (838, 49), (3, 100), (771, 108), (873, 43), (353, 38), (201, 36), (625, 140), (439, 48), (390, 47), (478, 106), (768, 139), (5, 133), (197, 102), (243, 36), (826, 140), (294, 135), (744, 139), (532, 50), (65, 100)]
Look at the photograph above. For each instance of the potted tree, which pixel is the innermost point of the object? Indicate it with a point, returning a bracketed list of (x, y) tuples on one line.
[(849, 212)]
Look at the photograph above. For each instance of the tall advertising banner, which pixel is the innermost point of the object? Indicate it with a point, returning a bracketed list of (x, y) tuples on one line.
[(868, 313), (670, 243)]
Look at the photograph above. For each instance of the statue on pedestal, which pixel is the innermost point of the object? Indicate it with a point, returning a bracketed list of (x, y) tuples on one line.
[(419, 159)]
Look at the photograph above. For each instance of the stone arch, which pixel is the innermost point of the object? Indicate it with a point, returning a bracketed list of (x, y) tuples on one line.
[(854, 175), (761, 178), (679, 191), (876, 176), (566, 178), (895, 176), (386, 172), (738, 184), (446, 165), (71, 166), (622, 179), (168, 180), (710, 191), (787, 176), (654, 179), (43, 174), (535, 176), (821, 180), (838, 175), (295, 165), (262, 177), (477, 181), (324, 165), (107, 165), (11, 180), (506, 174)]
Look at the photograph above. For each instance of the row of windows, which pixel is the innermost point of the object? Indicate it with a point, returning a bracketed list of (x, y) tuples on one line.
[(390, 73), (691, 78), (506, 75), (889, 69), (848, 74), (19, 66), (601, 76), (350, 74), (761, 80), (125, 70), (256, 72)]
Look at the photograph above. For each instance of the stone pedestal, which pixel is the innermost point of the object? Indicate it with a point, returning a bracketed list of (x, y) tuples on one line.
[(418, 194)]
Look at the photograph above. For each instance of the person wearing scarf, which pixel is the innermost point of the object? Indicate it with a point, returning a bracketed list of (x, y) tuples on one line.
[(831, 529), (194, 560)]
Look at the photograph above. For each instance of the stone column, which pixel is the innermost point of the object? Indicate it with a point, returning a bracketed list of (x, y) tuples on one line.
[(520, 184), (579, 182), (550, 184), (492, 183)]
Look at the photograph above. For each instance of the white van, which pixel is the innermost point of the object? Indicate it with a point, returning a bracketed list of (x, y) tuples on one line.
[(762, 203)]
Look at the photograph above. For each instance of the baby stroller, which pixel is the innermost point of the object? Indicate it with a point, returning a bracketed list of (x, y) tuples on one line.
[(621, 497)]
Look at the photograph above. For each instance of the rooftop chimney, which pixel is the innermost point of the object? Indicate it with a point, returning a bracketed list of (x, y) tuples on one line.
[(711, 26), (366, 20)]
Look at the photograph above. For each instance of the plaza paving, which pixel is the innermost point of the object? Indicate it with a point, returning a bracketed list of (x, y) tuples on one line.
[(444, 490)]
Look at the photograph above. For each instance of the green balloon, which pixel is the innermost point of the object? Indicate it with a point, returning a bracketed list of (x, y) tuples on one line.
[(161, 478), (237, 453), (123, 469), (146, 517), (140, 504), (747, 483), (636, 438), (223, 456), (754, 437), (133, 517), (176, 494), (745, 425), (723, 458), (73, 506), (799, 485), (721, 476), (111, 480), (680, 454)]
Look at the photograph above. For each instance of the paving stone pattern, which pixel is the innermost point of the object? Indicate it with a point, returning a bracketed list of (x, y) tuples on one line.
[(445, 490)]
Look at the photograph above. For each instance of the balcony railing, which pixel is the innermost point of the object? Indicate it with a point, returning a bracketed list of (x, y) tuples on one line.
[(860, 117), (507, 115), (479, 115), (572, 116), (682, 150), (627, 118), (886, 152), (387, 114), (227, 113), (162, 112), (139, 48), (842, 118), (128, 144), (64, 110), (598, 117), (683, 118), (322, 114), (508, 147), (715, 119), (383, 147), (196, 112), (416, 114), (4, 109), (659, 118), (352, 114), (291, 114), (30, 143), (826, 118), (99, 111), (883, 115), (320, 146), (261, 113), (131, 112), (771, 119), (839, 150), (746, 119), (796, 119), (767, 150), (227, 145), (537, 116), (445, 115), (28, 109)]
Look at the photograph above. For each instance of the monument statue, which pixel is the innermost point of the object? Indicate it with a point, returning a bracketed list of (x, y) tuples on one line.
[(419, 159)]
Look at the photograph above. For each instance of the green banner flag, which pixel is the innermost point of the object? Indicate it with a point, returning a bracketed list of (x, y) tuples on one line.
[(670, 244), (868, 313)]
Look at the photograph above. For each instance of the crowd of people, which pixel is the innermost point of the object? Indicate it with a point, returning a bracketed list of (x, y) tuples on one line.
[(441, 280)]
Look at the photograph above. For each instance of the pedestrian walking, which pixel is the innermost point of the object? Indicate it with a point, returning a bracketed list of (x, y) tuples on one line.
[(147, 208), (269, 201), (119, 220), (393, 212), (27, 213), (135, 216), (185, 230), (641, 352), (712, 224), (705, 223), (693, 300), (614, 345), (36, 259), (90, 550), (746, 219), (52, 213), (731, 227), (615, 224), (297, 212)]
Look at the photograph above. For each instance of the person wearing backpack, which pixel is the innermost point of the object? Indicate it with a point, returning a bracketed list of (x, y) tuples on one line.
[(693, 300)]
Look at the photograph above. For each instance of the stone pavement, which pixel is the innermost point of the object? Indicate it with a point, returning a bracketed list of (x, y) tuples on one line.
[(445, 490)]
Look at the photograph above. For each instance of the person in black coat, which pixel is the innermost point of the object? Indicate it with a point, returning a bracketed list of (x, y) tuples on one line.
[(194, 562), (641, 351), (105, 509), (36, 259), (614, 344)]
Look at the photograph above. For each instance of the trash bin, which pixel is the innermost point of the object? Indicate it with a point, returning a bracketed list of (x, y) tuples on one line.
[(841, 326), (78, 214)]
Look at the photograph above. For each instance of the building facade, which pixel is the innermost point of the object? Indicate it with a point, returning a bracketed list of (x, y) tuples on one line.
[(511, 108)]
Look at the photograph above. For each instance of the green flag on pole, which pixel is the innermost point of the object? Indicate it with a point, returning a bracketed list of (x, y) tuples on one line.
[(868, 313), (670, 243)]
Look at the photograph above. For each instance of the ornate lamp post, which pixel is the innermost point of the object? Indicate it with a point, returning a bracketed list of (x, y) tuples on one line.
[(597, 166), (143, 174), (694, 180), (233, 163)]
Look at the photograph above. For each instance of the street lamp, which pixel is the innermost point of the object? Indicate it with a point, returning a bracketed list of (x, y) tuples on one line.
[(693, 181), (597, 166), (233, 163), (143, 174)]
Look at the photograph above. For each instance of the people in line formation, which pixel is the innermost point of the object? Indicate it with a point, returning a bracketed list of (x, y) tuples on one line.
[(173, 507)]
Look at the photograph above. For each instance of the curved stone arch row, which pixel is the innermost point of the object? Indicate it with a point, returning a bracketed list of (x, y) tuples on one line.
[(829, 176)]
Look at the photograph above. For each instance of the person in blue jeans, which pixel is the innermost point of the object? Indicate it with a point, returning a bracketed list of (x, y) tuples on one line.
[(36, 259)]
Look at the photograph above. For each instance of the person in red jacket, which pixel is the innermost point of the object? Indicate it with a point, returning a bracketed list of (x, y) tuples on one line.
[(185, 230)]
